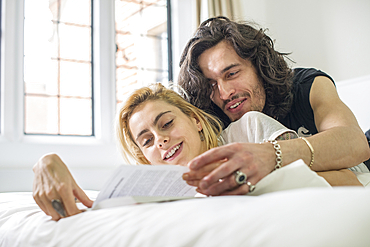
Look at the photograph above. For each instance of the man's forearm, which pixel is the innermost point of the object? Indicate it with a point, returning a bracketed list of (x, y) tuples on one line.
[(342, 177), (334, 149)]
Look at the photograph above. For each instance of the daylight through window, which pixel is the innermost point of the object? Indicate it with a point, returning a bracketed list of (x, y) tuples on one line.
[(141, 45), (58, 67)]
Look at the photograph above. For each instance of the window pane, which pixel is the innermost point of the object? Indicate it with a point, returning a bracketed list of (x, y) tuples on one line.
[(76, 11), (41, 114), (141, 39), (75, 79), (129, 77), (158, 44), (75, 115), (58, 67), (74, 42), (40, 74)]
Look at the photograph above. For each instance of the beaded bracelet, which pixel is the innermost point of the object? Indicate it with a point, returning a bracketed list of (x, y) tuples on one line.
[(278, 153), (311, 149)]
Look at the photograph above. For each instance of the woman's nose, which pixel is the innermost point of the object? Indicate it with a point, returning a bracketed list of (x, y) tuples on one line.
[(162, 142)]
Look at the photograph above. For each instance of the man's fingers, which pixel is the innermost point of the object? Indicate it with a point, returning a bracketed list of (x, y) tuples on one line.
[(222, 172), (221, 186), (202, 172), (194, 183), (241, 190), (211, 156)]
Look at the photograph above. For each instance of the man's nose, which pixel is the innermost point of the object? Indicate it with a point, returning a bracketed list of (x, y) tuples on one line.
[(225, 89)]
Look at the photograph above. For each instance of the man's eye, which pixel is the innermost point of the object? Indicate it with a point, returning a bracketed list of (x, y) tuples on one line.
[(213, 84), (232, 73), (167, 124)]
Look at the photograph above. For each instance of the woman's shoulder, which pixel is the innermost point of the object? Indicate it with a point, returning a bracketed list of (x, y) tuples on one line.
[(252, 127)]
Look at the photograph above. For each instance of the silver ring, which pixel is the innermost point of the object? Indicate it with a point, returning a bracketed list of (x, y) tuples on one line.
[(58, 206), (251, 186), (240, 177)]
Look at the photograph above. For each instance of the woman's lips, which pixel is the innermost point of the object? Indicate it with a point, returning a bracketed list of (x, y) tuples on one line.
[(173, 152)]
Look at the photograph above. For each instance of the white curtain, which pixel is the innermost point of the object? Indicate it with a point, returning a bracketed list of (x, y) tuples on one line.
[(212, 8)]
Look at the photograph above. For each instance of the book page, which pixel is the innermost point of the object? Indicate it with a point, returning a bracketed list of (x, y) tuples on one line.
[(146, 180)]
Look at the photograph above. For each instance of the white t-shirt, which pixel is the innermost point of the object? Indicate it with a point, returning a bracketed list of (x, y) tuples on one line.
[(253, 127)]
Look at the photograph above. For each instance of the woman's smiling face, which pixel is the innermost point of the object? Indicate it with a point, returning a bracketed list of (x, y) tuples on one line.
[(165, 134)]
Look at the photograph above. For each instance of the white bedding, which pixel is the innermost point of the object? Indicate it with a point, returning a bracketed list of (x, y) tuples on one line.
[(300, 217)]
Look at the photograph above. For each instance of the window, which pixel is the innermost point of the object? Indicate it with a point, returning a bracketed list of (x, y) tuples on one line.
[(142, 42), (58, 67), (33, 74)]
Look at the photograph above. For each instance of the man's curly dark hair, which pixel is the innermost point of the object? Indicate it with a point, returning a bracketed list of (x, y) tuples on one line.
[(249, 43)]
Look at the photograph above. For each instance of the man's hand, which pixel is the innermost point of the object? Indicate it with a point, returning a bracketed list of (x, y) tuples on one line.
[(213, 172), (54, 181)]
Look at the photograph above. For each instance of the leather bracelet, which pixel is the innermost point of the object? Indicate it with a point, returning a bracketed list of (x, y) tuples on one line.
[(311, 149), (278, 153)]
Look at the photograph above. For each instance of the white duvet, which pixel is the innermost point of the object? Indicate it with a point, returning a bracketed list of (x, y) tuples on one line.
[(314, 216)]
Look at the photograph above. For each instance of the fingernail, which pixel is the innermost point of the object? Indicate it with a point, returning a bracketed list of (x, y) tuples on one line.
[(190, 182), (185, 176)]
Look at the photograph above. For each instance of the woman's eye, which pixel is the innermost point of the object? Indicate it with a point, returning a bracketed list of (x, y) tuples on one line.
[(167, 124), (147, 142)]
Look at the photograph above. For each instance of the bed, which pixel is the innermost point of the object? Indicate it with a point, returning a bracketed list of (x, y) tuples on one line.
[(306, 216)]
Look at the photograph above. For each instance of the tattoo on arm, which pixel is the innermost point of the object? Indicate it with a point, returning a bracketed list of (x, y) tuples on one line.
[(286, 136)]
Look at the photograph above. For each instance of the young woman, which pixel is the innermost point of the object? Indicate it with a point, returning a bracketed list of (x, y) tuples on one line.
[(157, 126)]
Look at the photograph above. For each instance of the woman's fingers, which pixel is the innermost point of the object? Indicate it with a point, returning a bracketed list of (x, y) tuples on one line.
[(53, 181), (67, 199), (82, 197)]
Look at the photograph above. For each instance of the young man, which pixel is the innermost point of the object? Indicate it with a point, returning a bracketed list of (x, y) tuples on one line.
[(231, 68)]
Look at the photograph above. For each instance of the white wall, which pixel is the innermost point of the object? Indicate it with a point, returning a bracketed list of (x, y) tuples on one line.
[(332, 35), (355, 94)]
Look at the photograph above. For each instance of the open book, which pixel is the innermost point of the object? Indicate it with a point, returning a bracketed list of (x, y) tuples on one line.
[(132, 184)]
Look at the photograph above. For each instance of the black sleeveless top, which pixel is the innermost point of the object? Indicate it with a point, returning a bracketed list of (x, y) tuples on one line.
[(301, 117)]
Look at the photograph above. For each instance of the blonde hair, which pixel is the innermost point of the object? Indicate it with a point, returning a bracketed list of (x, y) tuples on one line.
[(126, 144)]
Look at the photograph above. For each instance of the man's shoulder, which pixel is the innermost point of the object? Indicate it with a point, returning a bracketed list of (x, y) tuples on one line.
[(307, 75)]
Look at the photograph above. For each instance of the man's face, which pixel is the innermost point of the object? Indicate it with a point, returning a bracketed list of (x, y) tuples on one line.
[(236, 86)]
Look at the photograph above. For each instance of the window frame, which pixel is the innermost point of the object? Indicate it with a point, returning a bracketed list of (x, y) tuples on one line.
[(20, 151), (23, 150)]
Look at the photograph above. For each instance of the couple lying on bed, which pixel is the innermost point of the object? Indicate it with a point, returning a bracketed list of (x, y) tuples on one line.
[(157, 126)]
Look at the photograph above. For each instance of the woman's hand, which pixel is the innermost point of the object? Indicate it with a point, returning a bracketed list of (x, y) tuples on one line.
[(54, 181), (213, 172)]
